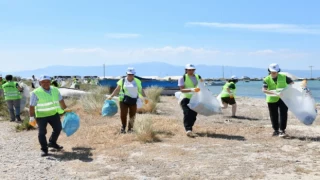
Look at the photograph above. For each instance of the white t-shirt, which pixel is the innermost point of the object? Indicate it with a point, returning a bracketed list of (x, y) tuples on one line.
[(131, 87)]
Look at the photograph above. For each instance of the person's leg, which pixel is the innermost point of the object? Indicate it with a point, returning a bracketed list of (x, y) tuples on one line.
[(283, 116), (225, 103), (274, 116), (188, 114), (16, 104), (233, 103), (123, 116), (234, 110), (132, 116), (56, 125), (11, 110), (42, 126)]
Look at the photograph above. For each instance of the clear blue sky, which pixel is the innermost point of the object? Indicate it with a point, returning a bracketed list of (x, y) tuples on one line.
[(253, 33)]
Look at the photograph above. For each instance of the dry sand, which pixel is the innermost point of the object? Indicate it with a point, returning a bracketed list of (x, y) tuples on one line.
[(225, 148)]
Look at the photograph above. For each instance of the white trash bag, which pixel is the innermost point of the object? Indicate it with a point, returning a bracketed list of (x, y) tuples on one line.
[(25, 95), (300, 102), (219, 100), (203, 102)]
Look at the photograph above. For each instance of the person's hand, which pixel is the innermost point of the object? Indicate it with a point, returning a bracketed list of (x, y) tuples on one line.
[(67, 110), (231, 95), (146, 101), (109, 98), (32, 121), (196, 89)]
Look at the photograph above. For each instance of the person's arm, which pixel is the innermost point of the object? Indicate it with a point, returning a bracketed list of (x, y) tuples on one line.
[(183, 89), (33, 103), (18, 87), (265, 89), (115, 92), (289, 80)]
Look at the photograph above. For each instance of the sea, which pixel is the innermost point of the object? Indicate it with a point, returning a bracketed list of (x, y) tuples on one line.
[(253, 89)]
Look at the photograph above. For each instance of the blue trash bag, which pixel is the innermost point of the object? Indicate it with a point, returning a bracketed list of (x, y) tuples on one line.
[(109, 108), (71, 123)]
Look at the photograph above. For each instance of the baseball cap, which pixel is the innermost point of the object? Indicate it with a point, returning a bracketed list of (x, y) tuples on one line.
[(274, 67), (131, 70), (234, 77), (44, 77), (190, 66)]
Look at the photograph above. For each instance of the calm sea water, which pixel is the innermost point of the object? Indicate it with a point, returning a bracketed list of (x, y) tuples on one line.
[(253, 89)]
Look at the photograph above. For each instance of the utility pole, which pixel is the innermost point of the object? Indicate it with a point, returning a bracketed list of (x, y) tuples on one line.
[(311, 70), (104, 71), (222, 72)]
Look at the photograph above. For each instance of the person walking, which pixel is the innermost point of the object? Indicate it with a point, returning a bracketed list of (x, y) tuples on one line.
[(46, 105), (129, 89), (12, 95), (228, 94), (2, 82), (272, 84), (188, 84)]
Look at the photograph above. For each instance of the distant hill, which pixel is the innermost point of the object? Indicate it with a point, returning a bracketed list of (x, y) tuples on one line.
[(157, 69)]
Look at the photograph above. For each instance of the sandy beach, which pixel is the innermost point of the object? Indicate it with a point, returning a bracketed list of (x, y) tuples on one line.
[(226, 148)]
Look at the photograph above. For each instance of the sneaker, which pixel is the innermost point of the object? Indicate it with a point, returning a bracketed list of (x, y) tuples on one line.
[(44, 153), (130, 130), (275, 133), (55, 146), (18, 119), (123, 130), (190, 134), (282, 134), (12, 120)]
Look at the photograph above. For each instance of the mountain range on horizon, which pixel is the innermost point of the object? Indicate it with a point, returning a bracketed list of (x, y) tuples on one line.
[(157, 69)]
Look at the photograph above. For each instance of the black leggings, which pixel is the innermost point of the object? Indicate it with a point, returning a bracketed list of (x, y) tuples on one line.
[(190, 116), (274, 109)]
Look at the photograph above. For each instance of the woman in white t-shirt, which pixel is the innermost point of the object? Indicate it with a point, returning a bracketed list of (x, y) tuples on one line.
[(129, 89)]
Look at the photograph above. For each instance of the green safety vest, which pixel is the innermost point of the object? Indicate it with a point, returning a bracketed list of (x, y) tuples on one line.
[(11, 91), (2, 82), (126, 92), (225, 92), (281, 83), (48, 104), (188, 83)]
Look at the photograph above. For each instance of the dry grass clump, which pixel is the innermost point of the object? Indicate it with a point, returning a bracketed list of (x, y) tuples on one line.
[(3, 109), (144, 129), (93, 101), (153, 95)]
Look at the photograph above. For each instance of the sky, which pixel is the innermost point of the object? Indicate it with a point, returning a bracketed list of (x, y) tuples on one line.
[(244, 33)]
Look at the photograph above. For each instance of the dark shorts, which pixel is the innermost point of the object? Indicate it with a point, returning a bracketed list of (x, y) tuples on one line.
[(228, 100)]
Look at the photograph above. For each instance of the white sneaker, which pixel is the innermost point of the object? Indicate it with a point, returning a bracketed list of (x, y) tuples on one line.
[(189, 133)]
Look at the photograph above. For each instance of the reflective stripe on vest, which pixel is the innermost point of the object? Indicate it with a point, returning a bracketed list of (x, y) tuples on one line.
[(10, 90), (189, 84), (225, 92), (281, 83), (126, 92), (48, 104)]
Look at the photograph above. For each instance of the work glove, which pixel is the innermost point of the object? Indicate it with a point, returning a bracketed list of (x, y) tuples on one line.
[(32, 121), (195, 89)]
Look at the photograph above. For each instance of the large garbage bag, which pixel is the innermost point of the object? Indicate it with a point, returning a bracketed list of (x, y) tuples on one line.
[(300, 102), (71, 123), (109, 108), (204, 102), (25, 95)]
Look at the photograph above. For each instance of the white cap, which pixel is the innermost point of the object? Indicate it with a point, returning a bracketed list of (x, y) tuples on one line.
[(44, 77), (131, 70), (190, 66), (274, 67), (234, 77)]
